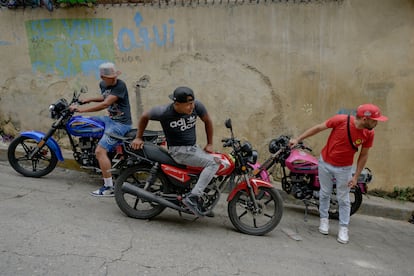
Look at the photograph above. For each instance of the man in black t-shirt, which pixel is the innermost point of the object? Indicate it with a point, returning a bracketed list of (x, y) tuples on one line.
[(178, 121), (114, 98)]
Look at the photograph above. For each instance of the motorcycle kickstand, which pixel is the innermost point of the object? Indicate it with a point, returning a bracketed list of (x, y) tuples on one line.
[(185, 218), (305, 218)]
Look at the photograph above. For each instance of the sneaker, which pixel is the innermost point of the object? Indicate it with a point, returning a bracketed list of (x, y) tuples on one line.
[(343, 234), (191, 201), (104, 191), (324, 226)]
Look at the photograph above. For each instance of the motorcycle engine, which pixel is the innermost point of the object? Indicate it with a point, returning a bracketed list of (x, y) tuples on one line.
[(86, 157), (300, 186)]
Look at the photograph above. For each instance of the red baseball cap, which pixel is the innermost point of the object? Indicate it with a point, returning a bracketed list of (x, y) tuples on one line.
[(371, 111)]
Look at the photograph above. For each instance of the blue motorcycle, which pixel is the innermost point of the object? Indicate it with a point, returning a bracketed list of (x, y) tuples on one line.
[(36, 154)]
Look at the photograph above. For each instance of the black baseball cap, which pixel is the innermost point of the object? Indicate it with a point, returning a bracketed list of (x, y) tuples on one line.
[(181, 94)]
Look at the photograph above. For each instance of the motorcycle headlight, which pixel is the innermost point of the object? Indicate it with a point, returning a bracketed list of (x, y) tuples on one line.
[(278, 143), (57, 108), (273, 146)]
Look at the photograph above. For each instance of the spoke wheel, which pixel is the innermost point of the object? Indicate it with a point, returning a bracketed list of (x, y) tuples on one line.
[(258, 222), (132, 205), (39, 165)]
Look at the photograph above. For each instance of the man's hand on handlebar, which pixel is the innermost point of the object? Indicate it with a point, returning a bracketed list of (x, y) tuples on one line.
[(74, 108), (293, 142)]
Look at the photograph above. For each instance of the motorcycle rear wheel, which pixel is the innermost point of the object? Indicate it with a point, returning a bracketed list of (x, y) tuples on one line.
[(41, 164), (243, 218), (355, 196), (132, 205)]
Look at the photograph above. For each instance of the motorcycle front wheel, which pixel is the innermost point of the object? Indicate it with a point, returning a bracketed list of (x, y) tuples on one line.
[(355, 196), (132, 205), (42, 163), (247, 220)]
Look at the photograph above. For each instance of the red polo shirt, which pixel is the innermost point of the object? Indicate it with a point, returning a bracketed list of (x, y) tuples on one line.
[(338, 150)]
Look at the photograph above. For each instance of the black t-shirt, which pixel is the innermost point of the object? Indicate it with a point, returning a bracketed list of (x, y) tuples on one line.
[(119, 111), (179, 129)]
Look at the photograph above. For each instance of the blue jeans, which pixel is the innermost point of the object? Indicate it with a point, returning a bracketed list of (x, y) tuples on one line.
[(327, 173), (111, 126), (196, 157)]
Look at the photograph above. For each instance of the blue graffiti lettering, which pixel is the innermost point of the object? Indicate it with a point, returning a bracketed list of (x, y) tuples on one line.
[(94, 52), (128, 42), (82, 29), (42, 29), (3, 43), (70, 46), (127, 35), (146, 40)]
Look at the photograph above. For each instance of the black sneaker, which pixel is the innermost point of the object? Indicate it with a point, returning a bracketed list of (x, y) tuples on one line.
[(192, 202)]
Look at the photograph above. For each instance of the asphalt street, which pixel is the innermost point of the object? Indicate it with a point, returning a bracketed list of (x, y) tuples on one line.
[(52, 226)]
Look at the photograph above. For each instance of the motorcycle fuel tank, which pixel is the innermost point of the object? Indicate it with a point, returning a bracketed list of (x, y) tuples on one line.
[(302, 162), (85, 127), (184, 175)]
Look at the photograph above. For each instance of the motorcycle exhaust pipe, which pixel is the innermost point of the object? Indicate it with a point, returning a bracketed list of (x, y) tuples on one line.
[(134, 190)]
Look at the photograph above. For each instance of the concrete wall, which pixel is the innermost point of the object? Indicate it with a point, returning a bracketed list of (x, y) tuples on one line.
[(274, 68)]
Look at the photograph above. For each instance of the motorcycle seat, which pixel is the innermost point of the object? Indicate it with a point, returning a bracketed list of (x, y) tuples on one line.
[(160, 154), (149, 135)]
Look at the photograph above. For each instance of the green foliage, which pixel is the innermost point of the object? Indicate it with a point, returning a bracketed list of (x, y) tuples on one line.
[(404, 194)]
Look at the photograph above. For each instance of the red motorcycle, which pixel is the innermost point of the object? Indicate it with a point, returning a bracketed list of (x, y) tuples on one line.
[(298, 173), (154, 181)]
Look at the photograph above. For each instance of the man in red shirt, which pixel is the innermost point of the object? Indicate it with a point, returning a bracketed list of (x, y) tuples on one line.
[(347, 135)]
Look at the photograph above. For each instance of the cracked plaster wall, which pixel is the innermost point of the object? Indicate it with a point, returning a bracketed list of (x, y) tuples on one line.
[(274, 68)]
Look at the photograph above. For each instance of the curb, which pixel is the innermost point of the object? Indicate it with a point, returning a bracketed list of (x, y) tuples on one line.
[(371, 205)]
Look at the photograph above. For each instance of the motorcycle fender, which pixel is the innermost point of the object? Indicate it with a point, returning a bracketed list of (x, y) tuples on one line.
[(53, 145), (242, 186), (363, 187)]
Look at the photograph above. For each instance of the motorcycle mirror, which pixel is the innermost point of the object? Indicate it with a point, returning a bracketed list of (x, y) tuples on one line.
[(228, 123)]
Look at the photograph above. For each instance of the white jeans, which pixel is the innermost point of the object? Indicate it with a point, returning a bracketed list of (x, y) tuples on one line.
[(327, 174)]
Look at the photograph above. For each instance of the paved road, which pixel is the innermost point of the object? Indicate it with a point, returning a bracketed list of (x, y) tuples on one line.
[(51, 226)]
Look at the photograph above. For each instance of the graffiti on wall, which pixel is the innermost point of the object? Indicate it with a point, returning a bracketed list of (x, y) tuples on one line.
[(67, 47), (129, 40), (3, 42)]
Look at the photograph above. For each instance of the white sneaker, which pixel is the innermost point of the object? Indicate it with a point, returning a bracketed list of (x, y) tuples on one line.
[(324, 226), (104, 191), (343, 234)]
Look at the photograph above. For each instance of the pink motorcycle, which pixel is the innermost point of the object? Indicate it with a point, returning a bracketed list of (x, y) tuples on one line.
[(298, 173)]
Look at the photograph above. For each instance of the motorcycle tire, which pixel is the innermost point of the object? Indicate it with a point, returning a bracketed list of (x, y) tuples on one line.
[(243, 218), (132, 205), (41, 164), (356, 201)]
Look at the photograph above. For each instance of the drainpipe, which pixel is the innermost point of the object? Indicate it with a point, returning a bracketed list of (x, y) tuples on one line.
[(141, 83)]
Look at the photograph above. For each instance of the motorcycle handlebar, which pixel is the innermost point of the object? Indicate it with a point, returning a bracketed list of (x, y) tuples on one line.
[(226, 142), (229, 142), (300, 145)]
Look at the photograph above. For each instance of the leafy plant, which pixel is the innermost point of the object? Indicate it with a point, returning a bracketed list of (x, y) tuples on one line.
[(404, 194), (76, 2)]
